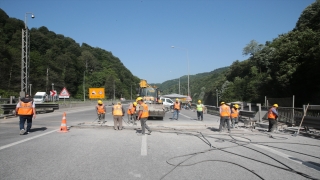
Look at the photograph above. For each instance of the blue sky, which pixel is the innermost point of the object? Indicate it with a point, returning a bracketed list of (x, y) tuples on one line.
[(141, 32)]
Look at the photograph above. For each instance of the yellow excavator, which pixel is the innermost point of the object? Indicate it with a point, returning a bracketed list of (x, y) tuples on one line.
[(150, 96)]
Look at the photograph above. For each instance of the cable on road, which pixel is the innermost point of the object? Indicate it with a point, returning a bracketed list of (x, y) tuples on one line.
[(238, 143)]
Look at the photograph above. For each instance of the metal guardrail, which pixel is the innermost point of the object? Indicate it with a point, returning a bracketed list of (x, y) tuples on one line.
[(7, 108), (249, 114)]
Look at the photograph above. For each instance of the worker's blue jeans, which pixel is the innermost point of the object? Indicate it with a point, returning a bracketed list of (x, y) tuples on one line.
[(23, 120), (176, 111)]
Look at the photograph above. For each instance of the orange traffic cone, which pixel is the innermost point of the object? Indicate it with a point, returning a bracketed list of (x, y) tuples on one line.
[(63, 127)]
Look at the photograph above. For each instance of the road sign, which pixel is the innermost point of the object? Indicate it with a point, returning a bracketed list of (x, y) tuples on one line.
[(53, 93), (64, 93), (96, 93)]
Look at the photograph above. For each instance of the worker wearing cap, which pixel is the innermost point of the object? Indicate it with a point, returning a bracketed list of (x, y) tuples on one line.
[(234, 115), (176, 109), (225, 113), (117, 112), (143, 114), (26, 110), (272, 117), (200, 109), (101, 111), (132, 111)]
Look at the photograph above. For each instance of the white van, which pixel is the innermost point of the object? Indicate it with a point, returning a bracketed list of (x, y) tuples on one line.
[(167, 102), (40, 97)]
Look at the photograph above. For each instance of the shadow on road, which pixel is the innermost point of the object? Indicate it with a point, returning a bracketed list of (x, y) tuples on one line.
[(38, 129)]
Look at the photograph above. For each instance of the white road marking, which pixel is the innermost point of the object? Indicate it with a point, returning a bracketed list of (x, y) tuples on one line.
[(144, 146), (28, 139), (286, 156)]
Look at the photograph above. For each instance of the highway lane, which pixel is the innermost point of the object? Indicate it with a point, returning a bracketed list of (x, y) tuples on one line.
[(86, 152)]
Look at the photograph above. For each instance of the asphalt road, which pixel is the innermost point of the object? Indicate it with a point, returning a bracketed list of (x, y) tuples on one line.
[(183, 149)]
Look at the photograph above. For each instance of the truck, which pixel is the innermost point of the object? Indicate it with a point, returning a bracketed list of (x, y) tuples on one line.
[(40, 97), (151, 96)]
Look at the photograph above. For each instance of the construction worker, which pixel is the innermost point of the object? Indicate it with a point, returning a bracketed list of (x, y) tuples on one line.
[(200, 109), (117, 112), (273, 117), (26, 110), (234, 115), (176, 108), (132, 112), (225, 113), (101, 111), (143, 115)]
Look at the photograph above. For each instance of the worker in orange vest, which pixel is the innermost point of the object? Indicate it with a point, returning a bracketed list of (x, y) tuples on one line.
[(176, 109), (225, 113), (132, 112), (26, 110), (143, 115), (273, 118), (101, 111), (234, 115), (117, 112)]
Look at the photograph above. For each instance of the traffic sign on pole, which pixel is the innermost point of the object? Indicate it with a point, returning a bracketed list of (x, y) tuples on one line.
[(64, 93)]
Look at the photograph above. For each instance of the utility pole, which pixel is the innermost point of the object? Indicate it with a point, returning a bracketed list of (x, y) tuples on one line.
[(217, 97), (25, 57)]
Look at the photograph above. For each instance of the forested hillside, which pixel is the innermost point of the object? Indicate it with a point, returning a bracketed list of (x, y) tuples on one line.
[(66, 61), (288, 65)]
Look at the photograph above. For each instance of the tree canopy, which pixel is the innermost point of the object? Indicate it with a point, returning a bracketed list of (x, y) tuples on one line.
[(68, 63)]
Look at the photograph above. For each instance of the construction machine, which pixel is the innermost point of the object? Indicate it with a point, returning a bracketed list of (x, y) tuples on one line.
[(150, 96)]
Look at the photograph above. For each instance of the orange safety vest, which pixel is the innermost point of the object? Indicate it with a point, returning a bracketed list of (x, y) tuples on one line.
[(271, 115), (234, 113), (25, 108), (145, 112), (117, 110), (101, 109), (225, 110), (131, 109), (177, 106)]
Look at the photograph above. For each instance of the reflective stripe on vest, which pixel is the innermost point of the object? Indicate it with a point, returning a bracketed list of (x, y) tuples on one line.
[(199, 107), (145, 112), (225, 110), (117, 110), (25, 108), (234, 113), (271, 114), (177, 106), (101, 109)]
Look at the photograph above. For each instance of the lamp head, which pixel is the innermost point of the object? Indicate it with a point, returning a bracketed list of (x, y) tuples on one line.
[(32, 16)]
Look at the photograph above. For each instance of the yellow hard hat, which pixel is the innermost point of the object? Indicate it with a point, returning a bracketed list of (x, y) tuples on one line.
[(177, 99), (99, 102), (119, 103), (199, 101), (222, 102), (236, 106), (135, 103), (275, 105), (139, 99)]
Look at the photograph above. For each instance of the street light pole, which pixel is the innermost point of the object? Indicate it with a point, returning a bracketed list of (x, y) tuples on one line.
[(53, 91), (217, 97), (84, 83), (188, 66), (25, 57), (131, 91), (30, 90)]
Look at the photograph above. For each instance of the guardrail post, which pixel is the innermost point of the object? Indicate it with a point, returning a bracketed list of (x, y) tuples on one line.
[(11, 99), (259, 105), (249, 104)]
